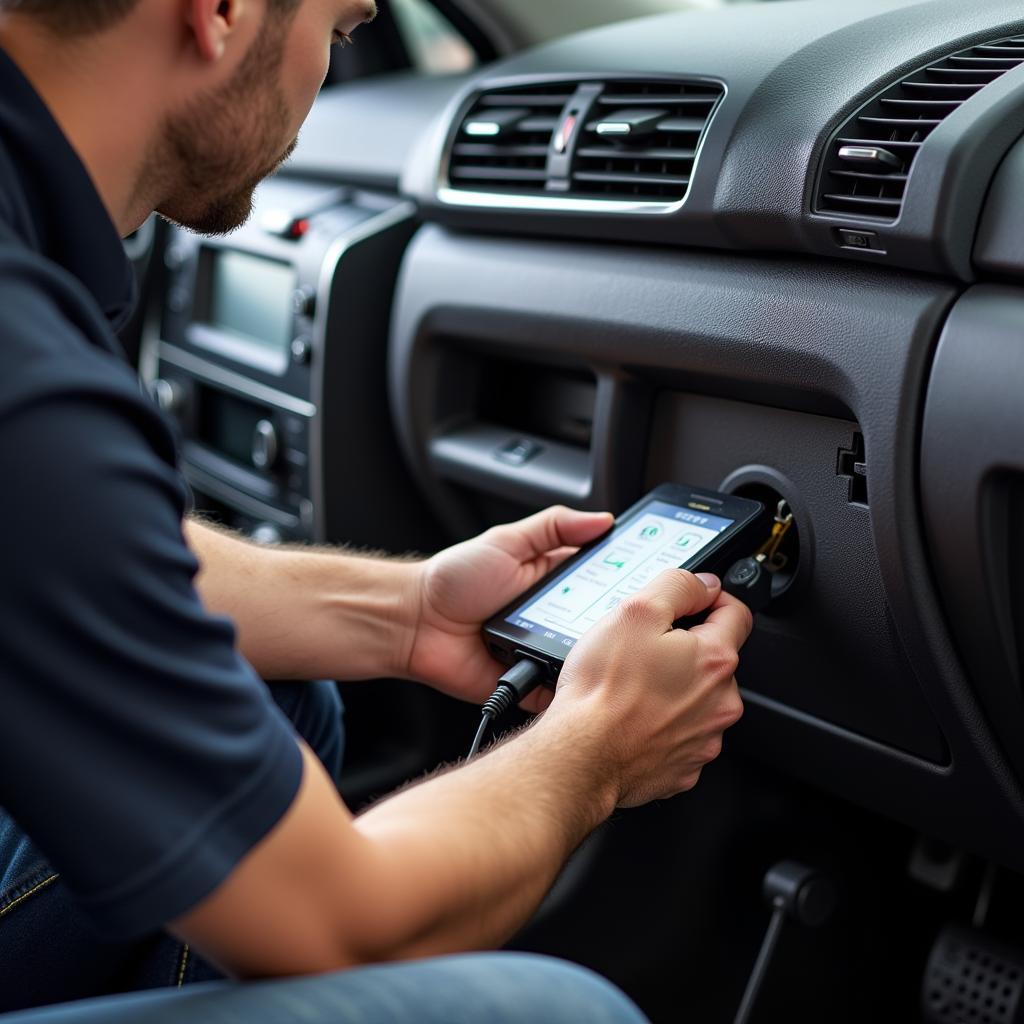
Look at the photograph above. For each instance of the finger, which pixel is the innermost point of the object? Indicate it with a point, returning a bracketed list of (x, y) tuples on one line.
[(555, 527), (730, 622), (676, 592)]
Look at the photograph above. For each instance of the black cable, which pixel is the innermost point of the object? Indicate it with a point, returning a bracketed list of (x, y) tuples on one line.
[(479, 738), (514, 686)]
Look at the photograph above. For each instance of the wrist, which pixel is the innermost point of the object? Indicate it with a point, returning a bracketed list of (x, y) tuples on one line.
[(580, 739), (360, 610), (410, 597)]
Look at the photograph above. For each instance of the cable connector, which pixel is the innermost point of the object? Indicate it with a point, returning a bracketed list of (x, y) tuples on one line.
[(514, 686)]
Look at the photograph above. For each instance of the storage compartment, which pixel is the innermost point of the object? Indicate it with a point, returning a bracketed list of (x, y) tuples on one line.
[(553, 402), (534, 430), (828, 648)]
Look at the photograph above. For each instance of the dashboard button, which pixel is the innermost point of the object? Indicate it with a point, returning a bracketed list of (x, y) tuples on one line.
[(865, 241), (168, 395), (264, 445), (518, 451), (302, 349), (304, 301)]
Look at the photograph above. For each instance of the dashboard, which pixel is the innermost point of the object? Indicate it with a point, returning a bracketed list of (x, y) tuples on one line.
[(769, 249)]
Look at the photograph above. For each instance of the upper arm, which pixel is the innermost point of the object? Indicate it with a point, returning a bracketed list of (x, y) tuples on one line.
[(304, 900), (137, 749)]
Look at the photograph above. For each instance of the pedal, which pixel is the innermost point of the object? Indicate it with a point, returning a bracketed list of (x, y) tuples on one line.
[(971, 979)]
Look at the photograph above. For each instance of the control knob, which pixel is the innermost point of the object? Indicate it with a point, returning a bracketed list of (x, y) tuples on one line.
[(265, 446), (168, 395), (304, 301)]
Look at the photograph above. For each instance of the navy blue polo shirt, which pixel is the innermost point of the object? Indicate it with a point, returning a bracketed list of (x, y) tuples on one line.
[(138, 750)]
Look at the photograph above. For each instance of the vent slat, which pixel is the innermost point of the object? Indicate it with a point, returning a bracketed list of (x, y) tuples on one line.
[(479, 173), (882, 143), (909, 110), (611, 177), (524, 100), (933, 105), (881, 179), (607, 153), (618, 100), (865, 200), (944, 88), (486, 149), (683, 125), (539, 124), (901, 122), (996, 63), (654, 164), (978, 75)]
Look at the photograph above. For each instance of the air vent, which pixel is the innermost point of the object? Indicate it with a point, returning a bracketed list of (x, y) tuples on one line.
[(641, 140), (868, 164), (616, 141), (503, 142)]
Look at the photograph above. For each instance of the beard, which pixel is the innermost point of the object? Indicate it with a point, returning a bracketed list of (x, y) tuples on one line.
[(213, 154)]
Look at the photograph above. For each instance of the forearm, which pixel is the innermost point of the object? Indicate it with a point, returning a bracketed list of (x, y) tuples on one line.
[(456, 863), (467, 858), (295, 608)]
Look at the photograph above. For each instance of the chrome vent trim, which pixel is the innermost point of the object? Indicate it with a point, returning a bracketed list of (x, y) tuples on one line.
[(867, 165), (609, 146)]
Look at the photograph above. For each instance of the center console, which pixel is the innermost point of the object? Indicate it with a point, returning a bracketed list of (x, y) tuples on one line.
[(257, 330)]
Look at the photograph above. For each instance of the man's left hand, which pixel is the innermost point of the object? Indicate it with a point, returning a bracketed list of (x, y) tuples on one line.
[(462, 587)]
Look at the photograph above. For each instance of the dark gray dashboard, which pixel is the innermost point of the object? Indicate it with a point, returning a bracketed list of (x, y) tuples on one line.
[(794, 72), (734, 342)]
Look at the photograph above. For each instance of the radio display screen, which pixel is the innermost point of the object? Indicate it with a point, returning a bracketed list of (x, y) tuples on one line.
[(251, 301)]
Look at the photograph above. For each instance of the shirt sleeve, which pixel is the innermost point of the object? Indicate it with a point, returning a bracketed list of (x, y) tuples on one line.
[(137, 748)]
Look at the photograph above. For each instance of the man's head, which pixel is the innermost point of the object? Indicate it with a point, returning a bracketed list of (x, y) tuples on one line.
[(218, 90)]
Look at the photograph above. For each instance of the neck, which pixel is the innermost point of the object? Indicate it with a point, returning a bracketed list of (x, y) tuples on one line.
[(112, 128)]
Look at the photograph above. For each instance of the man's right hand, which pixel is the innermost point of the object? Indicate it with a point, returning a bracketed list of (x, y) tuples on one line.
[(460, 861), (655, 700)]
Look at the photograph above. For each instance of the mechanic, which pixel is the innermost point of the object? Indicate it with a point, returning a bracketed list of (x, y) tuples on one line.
[(141, 754)]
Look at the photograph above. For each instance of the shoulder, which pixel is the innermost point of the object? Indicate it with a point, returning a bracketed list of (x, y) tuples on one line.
[(58, 355)]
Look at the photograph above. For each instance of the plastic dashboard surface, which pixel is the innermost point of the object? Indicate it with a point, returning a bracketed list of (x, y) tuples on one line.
[(727, 367), (794, 71)]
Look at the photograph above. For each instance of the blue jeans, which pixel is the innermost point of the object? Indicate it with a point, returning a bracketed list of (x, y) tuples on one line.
[(496, 988), (48, 951)]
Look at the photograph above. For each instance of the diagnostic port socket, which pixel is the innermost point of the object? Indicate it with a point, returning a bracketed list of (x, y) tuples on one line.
[(767, 485)]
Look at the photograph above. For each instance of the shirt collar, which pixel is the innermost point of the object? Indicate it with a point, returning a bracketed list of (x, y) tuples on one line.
[(52, 204)]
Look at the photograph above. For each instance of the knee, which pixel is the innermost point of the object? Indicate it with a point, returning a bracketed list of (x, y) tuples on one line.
[(558, 992)]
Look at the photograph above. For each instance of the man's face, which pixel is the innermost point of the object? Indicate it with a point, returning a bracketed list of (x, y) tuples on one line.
[(217, 150)]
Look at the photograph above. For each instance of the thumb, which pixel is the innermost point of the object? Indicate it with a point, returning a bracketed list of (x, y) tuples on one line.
[(677, 593), (578, 528), (556, 527)]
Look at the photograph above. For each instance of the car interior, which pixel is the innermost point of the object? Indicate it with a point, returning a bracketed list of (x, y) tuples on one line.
[(530, 253)]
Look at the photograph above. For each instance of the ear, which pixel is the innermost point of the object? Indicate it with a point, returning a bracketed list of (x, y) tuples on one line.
[(211, 23)]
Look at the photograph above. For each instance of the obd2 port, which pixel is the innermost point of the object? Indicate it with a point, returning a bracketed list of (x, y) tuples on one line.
[(764, 484)]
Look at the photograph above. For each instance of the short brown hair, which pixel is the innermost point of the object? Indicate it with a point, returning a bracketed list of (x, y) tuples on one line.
[(77, 17), (71, 17)]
